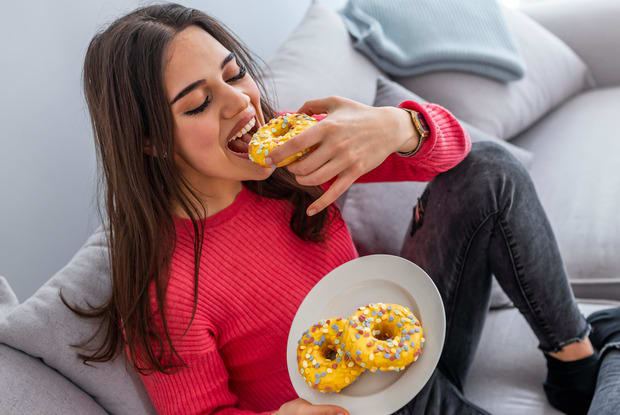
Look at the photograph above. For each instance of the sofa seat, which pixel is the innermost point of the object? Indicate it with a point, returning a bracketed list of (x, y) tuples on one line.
[(507, 374), (30, 387), (576, 170)]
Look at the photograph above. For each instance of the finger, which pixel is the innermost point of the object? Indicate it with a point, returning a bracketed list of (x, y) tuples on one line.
[(325, 410), (320, 105), (337, 188), (323, 173), (311, 161), (301, 141)]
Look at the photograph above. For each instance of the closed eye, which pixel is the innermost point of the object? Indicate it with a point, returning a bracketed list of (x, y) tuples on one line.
[(207, 101)]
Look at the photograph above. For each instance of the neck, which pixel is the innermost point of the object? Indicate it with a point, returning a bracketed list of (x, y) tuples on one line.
[(221, 194)]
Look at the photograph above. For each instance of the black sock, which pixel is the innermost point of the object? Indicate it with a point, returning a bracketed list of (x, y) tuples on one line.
[(570, 385)]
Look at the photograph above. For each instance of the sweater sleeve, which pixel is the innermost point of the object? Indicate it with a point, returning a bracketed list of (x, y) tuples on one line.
[(201, 388)]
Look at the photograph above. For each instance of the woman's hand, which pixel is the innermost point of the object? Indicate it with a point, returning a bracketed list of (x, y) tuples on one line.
[(352, 140), (302, 407)]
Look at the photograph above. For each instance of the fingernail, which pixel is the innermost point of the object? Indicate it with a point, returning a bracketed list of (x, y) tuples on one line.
[(268, 161), (311, 212)]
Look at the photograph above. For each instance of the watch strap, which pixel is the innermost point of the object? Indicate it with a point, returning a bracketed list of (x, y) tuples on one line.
[(419, 123)]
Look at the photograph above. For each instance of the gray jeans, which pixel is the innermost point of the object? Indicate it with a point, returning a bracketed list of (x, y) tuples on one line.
[(479, 219)]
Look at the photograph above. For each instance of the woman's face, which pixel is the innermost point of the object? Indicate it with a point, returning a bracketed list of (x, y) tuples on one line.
[(210, 103)]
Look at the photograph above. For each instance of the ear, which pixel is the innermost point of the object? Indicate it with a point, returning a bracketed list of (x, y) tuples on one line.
[(148, 149)]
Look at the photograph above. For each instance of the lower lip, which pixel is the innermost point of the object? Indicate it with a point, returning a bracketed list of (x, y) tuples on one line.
[(240, 155)]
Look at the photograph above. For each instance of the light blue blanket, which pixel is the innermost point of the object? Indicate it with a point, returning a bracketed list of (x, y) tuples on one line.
[(411, 37)]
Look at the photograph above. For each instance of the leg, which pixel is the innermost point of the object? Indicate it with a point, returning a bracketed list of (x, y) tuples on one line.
[(606, 338), (439, 396), (607, 394), (480, 218)]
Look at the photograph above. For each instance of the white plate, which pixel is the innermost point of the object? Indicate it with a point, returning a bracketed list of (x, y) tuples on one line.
[(364, 280)]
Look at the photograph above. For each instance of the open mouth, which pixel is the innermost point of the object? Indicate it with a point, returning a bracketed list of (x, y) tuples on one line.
[(241, 145)]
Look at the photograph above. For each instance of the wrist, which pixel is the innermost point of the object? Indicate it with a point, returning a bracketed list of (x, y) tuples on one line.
[(406, 136)]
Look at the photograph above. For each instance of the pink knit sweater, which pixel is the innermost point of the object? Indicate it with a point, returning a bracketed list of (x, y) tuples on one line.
[(254, 274)]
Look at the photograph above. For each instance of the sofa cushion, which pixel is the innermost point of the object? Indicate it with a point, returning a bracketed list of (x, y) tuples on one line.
[(8, 299), (318, 60), (577, 175), (508, 370), (30, 387), (553, 73), (598, 35), (43, 327)]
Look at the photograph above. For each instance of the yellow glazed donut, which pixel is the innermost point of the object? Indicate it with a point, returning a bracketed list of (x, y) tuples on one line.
[(383, 337), (321, 360), (275, 133)]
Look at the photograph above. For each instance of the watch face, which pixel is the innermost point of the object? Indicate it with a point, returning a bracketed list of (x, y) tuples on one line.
[(421, 124)]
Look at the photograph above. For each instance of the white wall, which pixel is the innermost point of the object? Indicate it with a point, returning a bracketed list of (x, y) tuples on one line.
[(47, 155)]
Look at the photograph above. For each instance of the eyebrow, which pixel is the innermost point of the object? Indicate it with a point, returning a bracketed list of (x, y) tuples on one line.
[(199, 82)]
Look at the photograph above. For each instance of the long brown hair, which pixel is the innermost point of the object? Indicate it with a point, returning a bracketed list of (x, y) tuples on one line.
[(124, 90)]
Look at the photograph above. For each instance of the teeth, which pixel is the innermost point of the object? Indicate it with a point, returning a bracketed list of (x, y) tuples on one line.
[(244, 130)]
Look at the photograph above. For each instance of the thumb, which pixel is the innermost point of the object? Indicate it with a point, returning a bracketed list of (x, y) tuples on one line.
[(320, 105)]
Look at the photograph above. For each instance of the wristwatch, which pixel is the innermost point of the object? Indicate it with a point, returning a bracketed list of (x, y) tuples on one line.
[(419, 123)]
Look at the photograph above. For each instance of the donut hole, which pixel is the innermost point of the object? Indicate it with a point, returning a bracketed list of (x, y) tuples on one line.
[(329, 352), (386, 331), (284, 129)]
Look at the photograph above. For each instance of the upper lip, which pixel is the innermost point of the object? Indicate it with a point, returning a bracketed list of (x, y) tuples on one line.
[(242, 122)]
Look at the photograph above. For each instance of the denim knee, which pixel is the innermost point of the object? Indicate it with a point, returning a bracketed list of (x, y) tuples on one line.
[(488, 169), (495, 159)]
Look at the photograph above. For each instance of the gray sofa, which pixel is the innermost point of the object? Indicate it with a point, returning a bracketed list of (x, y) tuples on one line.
[(559, 121)]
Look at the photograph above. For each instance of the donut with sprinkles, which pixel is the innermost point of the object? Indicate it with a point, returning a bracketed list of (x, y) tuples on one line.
[(384, 337), (277, 132), (322, 360)]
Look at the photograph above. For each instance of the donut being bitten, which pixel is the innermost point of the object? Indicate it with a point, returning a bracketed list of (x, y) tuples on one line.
[(321, 359), (384, 337), (275, 133)]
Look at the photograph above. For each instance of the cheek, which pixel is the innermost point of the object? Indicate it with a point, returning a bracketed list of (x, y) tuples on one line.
[(198, 136)]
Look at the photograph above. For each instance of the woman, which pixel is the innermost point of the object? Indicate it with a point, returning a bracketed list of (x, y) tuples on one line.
[(211, 254)]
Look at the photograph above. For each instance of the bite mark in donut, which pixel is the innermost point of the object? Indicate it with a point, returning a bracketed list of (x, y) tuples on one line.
[(275, 133)]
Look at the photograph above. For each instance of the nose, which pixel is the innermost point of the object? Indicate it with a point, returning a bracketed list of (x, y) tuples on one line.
[(235, 101)]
